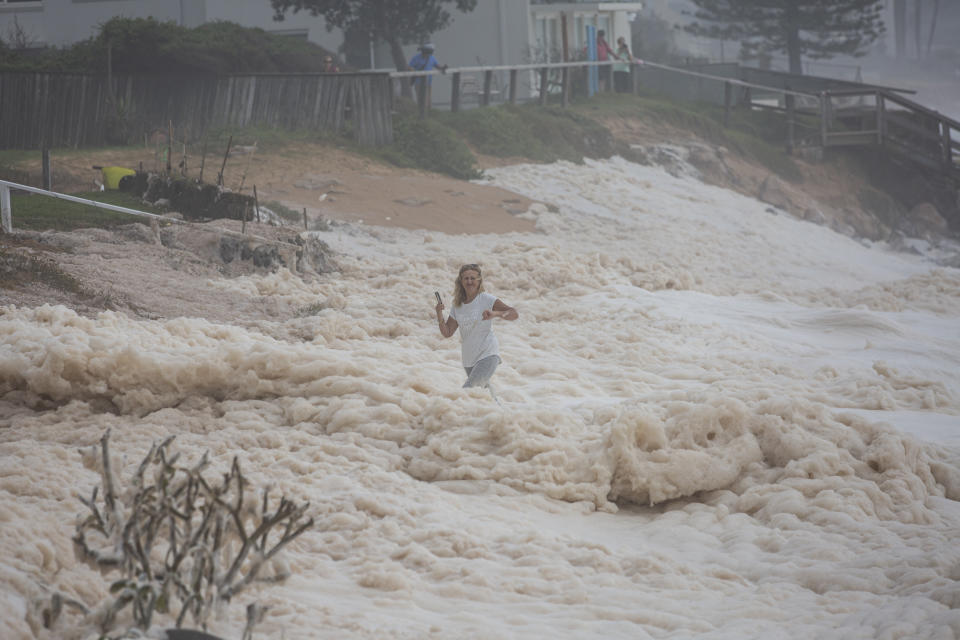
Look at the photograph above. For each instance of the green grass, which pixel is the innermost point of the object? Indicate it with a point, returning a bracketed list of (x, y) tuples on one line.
[(266, 138), (542, 134), (445, 142), (41, 213), (12, 157)]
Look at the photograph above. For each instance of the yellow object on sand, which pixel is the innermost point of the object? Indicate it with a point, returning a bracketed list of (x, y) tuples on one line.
[(112, 175)]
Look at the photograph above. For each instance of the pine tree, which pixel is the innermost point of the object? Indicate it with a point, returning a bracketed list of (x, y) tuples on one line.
[(817, 29)]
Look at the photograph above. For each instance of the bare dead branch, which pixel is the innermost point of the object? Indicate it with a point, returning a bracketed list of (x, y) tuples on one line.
[(211, 544)]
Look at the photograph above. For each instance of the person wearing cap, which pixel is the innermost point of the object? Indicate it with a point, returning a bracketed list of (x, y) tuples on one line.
[(424, 61)]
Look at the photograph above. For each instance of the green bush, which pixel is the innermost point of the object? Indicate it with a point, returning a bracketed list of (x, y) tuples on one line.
[(149, 45), (542, 134), (429, 144), (497, 131)]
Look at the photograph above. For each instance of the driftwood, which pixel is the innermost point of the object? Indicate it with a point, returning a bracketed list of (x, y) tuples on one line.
[(182, 544)]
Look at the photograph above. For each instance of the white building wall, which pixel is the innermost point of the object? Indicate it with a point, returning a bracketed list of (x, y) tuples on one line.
[(493, 34)]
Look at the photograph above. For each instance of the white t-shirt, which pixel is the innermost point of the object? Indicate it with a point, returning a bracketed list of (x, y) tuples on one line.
[(476, 335)]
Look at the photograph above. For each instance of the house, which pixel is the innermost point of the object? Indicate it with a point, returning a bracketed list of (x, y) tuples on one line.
[(497, 32), (549, 20)]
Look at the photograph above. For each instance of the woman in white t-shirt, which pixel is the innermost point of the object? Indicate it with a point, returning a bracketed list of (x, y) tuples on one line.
[(473, 313)]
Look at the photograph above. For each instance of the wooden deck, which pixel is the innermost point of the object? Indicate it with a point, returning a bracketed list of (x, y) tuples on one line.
[(894, 124)]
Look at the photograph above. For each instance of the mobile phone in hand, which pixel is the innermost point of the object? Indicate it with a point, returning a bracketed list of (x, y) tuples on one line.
[(439, 300)]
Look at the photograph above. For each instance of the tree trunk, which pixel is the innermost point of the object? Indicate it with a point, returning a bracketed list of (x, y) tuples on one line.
[(933, 24), (793, 38), (400, 62), (918, 27), (900, 26)]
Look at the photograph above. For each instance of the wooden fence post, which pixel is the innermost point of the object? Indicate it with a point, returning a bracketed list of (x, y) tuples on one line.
[(727, 91), (224, 165), (305, 219), (6, 219), (789, 100), (45, 161), (203, 160), (565, 87), (543, 85), (513, 86), (824, 117), (421, 97), (256, 203), (455, 93), (169, 148), (487, 84), (878, 100), (945, 146)]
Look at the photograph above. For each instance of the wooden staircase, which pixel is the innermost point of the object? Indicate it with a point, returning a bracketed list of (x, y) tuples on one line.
[(882, 118)]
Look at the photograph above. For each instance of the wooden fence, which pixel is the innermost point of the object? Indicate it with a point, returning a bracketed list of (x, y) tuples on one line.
[(73, 110), (894, 124), (65, 110)]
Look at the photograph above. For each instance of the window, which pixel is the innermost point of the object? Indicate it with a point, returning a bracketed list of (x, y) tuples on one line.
[(548, 38)]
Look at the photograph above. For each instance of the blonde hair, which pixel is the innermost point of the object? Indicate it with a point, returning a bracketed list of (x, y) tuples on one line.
[(459, 294)]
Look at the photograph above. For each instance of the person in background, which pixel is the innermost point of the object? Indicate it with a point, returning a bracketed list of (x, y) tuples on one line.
[(424, 61), (329, 66), (621, 69), (604, 52), (473, 313)]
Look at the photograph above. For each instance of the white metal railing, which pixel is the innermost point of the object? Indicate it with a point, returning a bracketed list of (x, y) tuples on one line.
[(6, 213), (596, 63)]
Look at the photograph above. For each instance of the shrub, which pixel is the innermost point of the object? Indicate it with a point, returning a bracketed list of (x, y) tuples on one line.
[(181, 543), (429, 144), (149, 45)]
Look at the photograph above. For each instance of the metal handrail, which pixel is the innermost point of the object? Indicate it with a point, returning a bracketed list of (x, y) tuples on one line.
[(7, 215), (595, 63)]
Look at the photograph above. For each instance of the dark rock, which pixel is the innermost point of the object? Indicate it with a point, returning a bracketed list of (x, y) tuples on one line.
[(229, 248), (189, 634), (137, 183), (136, 232), (315, 255), (927, 219), (197, 201), (772, 191)]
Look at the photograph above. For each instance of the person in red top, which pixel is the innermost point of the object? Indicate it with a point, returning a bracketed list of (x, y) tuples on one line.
[(604, 52)]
